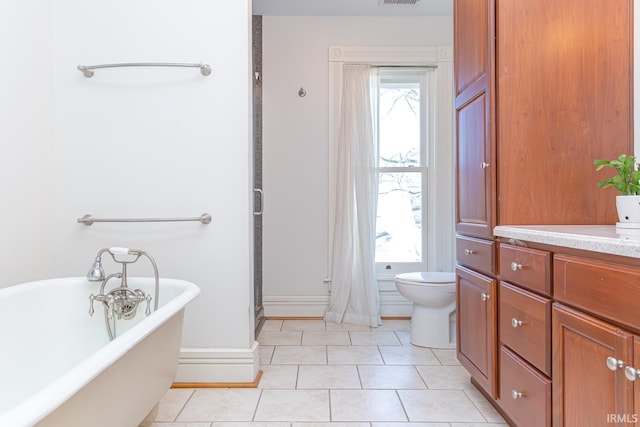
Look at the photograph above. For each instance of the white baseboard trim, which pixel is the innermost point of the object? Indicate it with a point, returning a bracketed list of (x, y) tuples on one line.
[(218, 365), (391, 304)]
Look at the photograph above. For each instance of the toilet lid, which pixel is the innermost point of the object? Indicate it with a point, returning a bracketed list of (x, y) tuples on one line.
[(427, 277)]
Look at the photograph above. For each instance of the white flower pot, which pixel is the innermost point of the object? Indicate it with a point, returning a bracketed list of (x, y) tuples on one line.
[(628, 209)]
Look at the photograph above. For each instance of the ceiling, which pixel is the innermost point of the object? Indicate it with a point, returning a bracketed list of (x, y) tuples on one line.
[(349, 8)]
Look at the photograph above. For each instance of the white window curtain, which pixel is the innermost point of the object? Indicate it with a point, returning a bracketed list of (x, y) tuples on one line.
[(354, 292)]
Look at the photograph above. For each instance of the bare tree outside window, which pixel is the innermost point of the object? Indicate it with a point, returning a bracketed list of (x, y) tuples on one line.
[(401, 168)]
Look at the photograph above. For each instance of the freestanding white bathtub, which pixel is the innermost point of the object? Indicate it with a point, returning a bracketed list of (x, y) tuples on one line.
[(58, 368)]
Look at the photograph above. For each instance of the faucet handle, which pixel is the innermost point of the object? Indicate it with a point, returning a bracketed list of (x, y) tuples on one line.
[(91, 299), (110, 304), (148, 310)]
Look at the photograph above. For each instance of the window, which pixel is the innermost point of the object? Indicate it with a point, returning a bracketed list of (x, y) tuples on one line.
[(402, 170)]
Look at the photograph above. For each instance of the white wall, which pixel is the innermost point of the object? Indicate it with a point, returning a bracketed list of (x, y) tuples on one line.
[(26, 141), (153, 142), (295, 138)]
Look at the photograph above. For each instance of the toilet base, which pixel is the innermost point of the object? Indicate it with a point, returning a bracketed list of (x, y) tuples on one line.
[(433, 328)]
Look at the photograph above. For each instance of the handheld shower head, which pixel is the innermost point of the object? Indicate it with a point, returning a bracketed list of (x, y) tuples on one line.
[(96, 273)]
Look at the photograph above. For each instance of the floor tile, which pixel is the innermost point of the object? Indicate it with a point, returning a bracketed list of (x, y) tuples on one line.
[(323, 374), (279, 376), (374, 338), (221, 404), (293, 405), (487, 410), (272, 325), (265, 353), (162, 424), (394, 325), (328, 377), (439, 405), (408, 355), (390, 377), (445, 377), (332, 424), (304, 325), (250, 424), (410, 425), (172, 403), (280, 337), (404, 337), (354, 355), (446, 356), (366, 405), (299, 355), (325, 338), (345, 327)]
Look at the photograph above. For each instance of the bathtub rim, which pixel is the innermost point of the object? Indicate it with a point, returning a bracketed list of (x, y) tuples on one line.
[(42, 403)]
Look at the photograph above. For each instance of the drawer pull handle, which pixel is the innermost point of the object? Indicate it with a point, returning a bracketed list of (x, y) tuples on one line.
[(485, 297), (613, 363), (516, 323), (468, 252), (484, 165), (515, 266), (516, 394), (631, 373)]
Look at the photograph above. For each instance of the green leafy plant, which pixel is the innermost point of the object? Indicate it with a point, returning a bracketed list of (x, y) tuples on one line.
[(627, 181)]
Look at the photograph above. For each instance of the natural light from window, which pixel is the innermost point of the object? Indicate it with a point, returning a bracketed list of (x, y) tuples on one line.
[(402, 165)]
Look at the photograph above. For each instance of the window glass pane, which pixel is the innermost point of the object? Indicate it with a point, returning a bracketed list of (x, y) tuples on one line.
[(399, 130), (399, 218)]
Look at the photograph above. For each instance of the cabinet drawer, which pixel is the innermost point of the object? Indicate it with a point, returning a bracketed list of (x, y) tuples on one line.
[(604, 289), (526, 267), (525, 325), (476, 253), (525, 395)]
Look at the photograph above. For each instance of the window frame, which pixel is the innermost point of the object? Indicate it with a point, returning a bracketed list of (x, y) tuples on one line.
[(421, 75)]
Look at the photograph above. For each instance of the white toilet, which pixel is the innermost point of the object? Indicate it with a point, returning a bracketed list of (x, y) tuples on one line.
[(434, 307)]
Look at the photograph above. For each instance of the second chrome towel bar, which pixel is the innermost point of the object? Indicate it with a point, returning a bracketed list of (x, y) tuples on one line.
[(87, 70), (88, 219)]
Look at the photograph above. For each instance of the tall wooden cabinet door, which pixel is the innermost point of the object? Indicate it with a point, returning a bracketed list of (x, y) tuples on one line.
[(477, 326), (475, 131), (564, 99), (589, 357)]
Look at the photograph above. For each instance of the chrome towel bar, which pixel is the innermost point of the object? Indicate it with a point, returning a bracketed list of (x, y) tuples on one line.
[(87, 70), (88, 219)]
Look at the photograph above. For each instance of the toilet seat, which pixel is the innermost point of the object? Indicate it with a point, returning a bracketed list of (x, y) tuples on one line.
[(428, 278)]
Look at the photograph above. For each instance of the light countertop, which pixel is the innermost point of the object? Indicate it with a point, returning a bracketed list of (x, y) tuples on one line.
[(596, 238)]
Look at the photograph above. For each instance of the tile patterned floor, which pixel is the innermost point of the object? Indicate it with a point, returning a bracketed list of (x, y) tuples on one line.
[(319, 374)]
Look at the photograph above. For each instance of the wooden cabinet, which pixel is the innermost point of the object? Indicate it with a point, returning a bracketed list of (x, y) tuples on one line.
[(542, 89), (525, 394), (474, 108), (525, 335), (525, 325), (477, 254), (476, 332), (589, 360)]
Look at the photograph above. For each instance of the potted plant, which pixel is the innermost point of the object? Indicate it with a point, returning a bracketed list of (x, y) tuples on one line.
[(627, 182)]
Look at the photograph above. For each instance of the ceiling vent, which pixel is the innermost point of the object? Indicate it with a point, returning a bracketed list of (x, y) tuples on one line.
[(398, 2)]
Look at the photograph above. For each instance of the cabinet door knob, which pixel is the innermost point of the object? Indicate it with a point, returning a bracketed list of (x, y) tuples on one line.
[(613, 363), (516, 323), (515, 266), (484, 165), (631, 373), (515, 394), (485, 297), (468, 252)]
